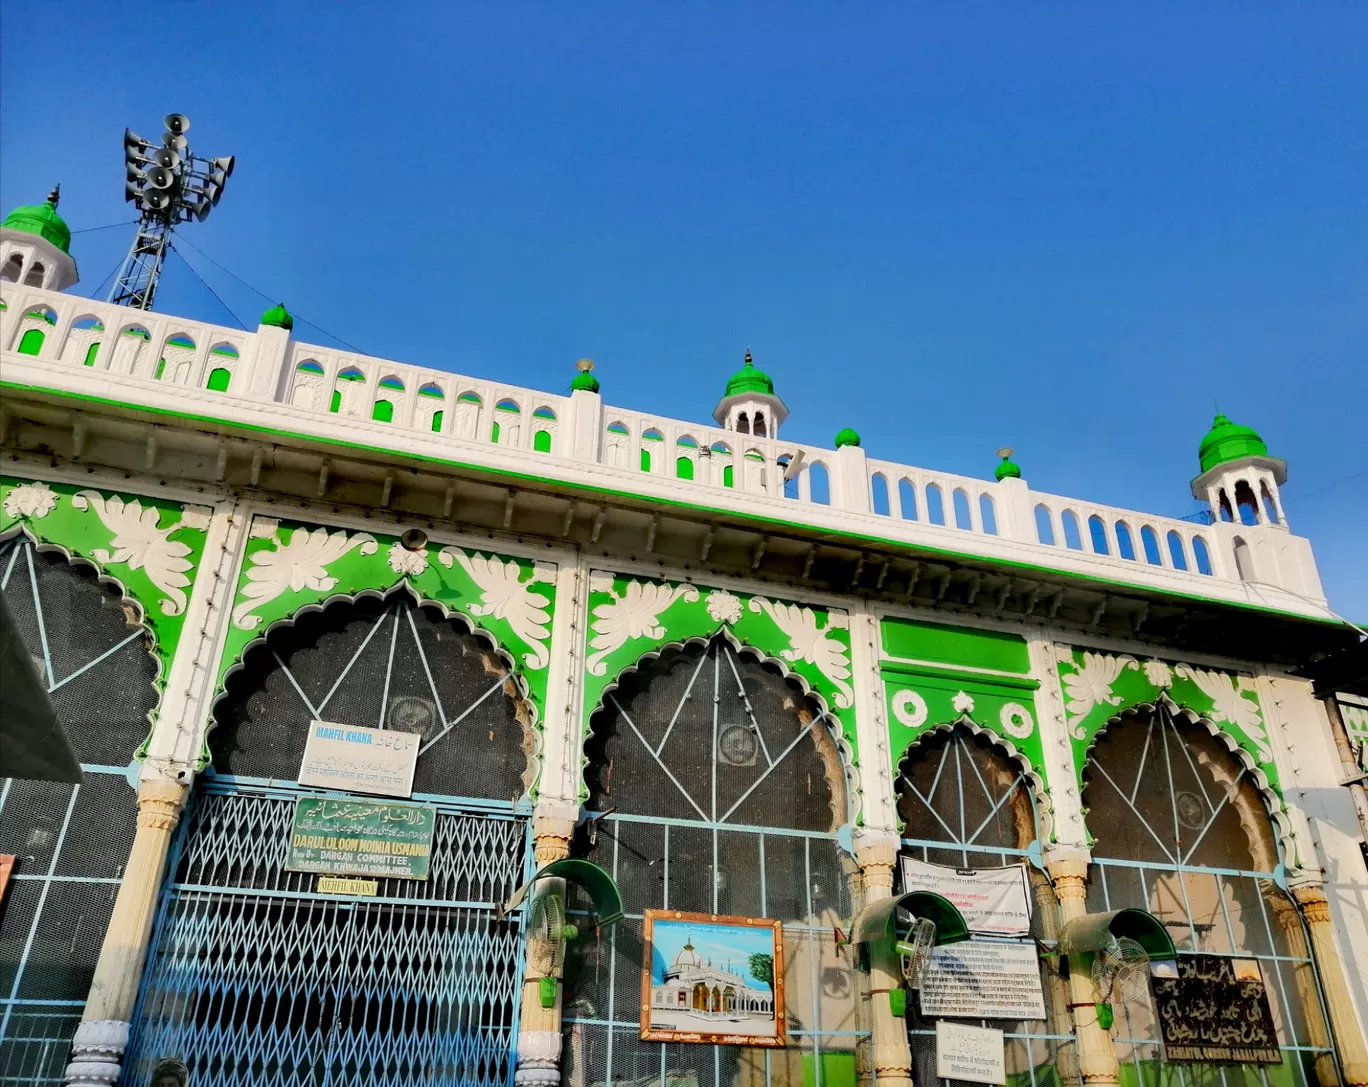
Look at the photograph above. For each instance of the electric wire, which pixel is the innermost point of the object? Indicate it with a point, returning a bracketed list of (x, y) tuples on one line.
[(110, 226), (100, 289), (210, 289), (268, 297)]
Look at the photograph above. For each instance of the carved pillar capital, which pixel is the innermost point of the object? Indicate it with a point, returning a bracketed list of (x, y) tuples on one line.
[(160, 803), (876, 852), (1345, 1023), (1068, 869), (553, 827)]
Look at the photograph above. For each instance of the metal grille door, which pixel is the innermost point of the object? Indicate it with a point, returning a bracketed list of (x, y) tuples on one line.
[(255, 978)]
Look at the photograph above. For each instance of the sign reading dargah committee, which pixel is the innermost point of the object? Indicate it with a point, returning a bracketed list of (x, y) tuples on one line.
[(340, 837)]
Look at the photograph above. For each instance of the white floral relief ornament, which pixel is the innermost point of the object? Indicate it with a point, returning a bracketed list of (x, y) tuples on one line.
[(724, 607), (504, 595), (808, 643), (1090, 684), (30, 500), (406, 562), (909, 708), (635, 614), (140, 544), (1016, 719), (1230, 706), (963, 702), (1158, 674), (299, 563)]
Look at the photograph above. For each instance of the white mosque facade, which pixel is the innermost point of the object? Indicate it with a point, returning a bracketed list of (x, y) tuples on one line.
[(693, 990), (741, 673)]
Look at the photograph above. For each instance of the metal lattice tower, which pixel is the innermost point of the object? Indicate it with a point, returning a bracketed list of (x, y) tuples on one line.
[(170, 185)]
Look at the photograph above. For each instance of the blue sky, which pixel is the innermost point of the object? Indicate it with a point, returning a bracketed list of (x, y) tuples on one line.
[(1066, 228), (727, 947)]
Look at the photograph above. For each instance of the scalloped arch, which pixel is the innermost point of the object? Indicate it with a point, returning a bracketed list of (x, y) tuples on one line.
[(854, 794), (1274, 805), (403, 585), (137, 620), (1039, 789)]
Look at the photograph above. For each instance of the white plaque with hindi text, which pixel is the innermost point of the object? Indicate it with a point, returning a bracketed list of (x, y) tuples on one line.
[(982, 979), (993, 901)]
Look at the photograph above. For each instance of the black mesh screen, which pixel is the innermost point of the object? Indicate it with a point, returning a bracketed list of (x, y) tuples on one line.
[(380, 663), (1159, 789), (716, 718), (71, 842), (954, 787)]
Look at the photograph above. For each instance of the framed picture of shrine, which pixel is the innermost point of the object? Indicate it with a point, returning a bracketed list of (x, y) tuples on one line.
[(713, 979)]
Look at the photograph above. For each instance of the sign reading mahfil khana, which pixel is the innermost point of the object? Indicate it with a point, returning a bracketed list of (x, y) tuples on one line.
[(359, 760), (341, 837), (993, 901)]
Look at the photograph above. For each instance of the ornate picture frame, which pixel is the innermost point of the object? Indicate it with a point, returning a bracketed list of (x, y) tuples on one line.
[(712, 978)]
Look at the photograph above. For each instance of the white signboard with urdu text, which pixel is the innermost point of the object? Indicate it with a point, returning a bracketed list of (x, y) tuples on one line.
[(983, 979), (970, 1053), (360, 760), (993, 901)]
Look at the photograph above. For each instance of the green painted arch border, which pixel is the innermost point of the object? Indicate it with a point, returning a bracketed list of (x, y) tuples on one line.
[(402, 584), (845, 748), (1042, 802), (1269, 790), (159, 659)]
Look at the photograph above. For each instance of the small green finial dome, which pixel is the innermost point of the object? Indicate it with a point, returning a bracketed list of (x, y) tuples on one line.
[(847, 437), (1008, 469), (43, 220), (585, 381), (750, 380), (278, 317), (1227, 441)]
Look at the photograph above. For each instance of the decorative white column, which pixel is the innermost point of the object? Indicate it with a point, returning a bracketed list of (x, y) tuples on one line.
[(1348, 1029), (97, 1050), (539, 1029), (877, 853), (1097, 1065)]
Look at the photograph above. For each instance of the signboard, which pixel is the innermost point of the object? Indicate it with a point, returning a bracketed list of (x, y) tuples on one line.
[(1212, 1008), (970, 1053), (341, 885), (6, 867), (340, 837), (980, 979), (993, 901), (359, 760)]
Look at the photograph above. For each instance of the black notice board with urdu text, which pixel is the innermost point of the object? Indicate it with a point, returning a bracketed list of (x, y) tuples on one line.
[(1213, 1008)]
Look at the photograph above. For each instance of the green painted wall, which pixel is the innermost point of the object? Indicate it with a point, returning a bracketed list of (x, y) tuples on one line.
[(961, 646)]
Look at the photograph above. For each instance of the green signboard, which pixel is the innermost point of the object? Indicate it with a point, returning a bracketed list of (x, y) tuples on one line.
[(361, 838)]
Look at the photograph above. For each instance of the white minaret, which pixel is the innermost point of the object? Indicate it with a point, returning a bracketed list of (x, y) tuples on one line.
[(749, 405), (1239, 479), (34, 244)]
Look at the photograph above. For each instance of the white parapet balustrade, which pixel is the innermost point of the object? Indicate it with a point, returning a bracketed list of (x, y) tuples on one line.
[(135, 356)]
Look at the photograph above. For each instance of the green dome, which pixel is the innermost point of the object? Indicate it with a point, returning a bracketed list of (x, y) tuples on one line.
[(1008, 469), (847, 437), (750, 380), (43, 220), (1227, 441), (278, 317)]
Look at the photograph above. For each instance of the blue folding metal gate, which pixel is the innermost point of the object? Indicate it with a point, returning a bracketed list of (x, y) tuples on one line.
[(256, 978)]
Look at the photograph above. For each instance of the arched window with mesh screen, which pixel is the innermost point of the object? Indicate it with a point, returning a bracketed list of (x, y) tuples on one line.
[(71, 842), (415, 982), (1182, 829), (715, 786), (965, 804)]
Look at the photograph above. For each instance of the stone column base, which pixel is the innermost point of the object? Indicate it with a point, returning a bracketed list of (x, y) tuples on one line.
[(538, 1059), (96, 1051)]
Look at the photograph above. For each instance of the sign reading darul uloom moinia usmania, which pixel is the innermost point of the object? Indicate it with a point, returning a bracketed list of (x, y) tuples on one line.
[(343, 837)]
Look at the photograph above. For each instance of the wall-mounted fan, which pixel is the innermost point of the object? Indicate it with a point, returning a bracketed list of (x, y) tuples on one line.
[(548, 934), (914, 951), (1120, 972)]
